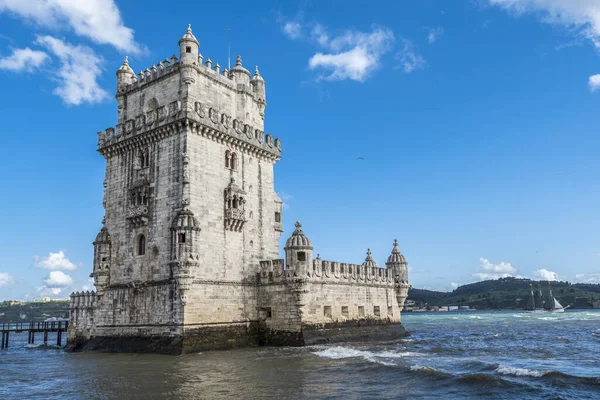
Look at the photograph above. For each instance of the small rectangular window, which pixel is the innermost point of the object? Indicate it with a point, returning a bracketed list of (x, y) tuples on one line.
[(277, 217), (361, 311), (181, 238), (327, 311), (188, 49), (301, 256), (390, 312), (345, 311), (376, 311)]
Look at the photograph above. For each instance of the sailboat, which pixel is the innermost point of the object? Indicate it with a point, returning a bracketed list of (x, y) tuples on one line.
[(556, 307)]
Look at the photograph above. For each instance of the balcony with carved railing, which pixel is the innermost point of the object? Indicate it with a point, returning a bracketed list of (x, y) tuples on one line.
[(138, 215), (234, 219)]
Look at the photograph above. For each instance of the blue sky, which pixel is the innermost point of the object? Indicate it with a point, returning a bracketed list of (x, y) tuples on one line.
[(477, 121)]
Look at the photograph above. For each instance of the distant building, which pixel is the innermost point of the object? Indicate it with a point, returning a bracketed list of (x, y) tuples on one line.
[(46, 299), (15, 303)]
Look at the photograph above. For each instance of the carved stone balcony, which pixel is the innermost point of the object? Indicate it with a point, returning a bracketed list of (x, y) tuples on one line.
[(234, 219), (138, 215)]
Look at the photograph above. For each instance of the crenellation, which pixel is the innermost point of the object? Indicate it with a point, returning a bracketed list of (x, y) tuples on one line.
[(189, 242)]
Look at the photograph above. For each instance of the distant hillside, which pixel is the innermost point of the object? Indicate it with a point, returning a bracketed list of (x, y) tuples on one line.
[(33, 311), (508, 293)]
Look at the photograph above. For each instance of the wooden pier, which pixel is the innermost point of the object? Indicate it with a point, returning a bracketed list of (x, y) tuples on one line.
[(32, 328)]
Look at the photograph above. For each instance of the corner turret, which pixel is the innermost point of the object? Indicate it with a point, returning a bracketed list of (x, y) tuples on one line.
[(397, 263), (188, 47), (298, 251), (240, 74)]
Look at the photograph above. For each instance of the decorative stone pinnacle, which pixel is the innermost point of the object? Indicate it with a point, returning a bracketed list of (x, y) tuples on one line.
[(369, 252), (256, 71), (298, 225), (189, 29), (238, 61), (395, 242), (126, 62)]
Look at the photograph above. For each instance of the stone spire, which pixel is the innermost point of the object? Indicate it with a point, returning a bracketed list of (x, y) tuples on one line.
[(257, 76), (298, 240), (125, 68), (396, 258)]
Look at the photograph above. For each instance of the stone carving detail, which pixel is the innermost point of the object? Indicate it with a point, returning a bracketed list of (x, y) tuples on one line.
[(278, 144), (162, 113), (186, 172), (110, 132), (101, 139), (129, 126), (174, 108), (120, 129), (249, 131), (200, 110), (259, 135), (226, 120), (140, 121), (213, 115), (238, 126), (269, 139), (150, 118)]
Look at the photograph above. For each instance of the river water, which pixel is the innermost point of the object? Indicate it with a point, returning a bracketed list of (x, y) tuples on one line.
[(490, 355)]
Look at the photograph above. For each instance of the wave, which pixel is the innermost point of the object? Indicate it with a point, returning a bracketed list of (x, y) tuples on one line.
[(504, 370), (430, 371), (340, 352)]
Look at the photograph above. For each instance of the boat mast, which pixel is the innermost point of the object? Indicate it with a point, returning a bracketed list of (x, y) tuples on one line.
[(532, 297)]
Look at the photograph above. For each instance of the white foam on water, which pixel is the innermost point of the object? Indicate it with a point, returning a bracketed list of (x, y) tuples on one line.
[(340, 352), (548, 318), (422, 368), (504, 370), (475, 317)]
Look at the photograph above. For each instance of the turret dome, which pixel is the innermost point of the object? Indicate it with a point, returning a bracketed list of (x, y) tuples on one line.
[(298, 240), (369, 262), (396, 257), (189, 36), (103, 236), (185, 220), (125, 68)]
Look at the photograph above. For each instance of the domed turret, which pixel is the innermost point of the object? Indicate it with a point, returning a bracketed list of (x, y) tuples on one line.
[(369, 262), (188, 47), (125, 75), (397, 263), (241, 74), (258, 84), (102, 259), (298, 251)]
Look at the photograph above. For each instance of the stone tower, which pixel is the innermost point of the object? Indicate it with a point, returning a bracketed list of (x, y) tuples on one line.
[(187, 255)]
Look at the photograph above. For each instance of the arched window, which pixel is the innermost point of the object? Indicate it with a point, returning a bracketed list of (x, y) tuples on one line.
[(227, 159), (234, 161), (235, 202), (141, 245)]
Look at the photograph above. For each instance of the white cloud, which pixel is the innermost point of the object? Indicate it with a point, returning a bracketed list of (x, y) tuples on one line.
[(588, 278), (319, 33), (285, 198), (78, 73), (581, 15), (55, 261), (6, 279), (453, 285), (594, 82), (57, 279), (354, 55), (56, 291), (25, 60), (546, 275), (98, 20), (434, 34), (293, 30), (494, 271), (408, 57)]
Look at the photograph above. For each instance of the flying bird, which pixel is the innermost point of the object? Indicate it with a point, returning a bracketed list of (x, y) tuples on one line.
[(360, 158)]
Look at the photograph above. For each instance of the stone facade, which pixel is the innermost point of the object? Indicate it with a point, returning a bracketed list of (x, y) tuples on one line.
[(186, 259)]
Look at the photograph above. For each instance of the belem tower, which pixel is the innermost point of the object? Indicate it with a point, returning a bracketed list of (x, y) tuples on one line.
[(187, 258)]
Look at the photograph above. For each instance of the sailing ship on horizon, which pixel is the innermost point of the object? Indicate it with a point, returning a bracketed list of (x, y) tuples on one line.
[(554, 305)]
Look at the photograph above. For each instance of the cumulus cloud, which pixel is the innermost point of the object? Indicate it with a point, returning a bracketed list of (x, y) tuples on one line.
[(546, 275), (494, 271), (285, 198), (581, 15), (354, 55), (453, 285), (57, 279), (78, 73), (293, 30), (434, 34), (409, 59), (594, 82), (98, 20), (6, 279), (23, 60), (55, 261)]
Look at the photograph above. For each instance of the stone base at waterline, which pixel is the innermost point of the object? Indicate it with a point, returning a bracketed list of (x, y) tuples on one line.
[(229, 336)]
